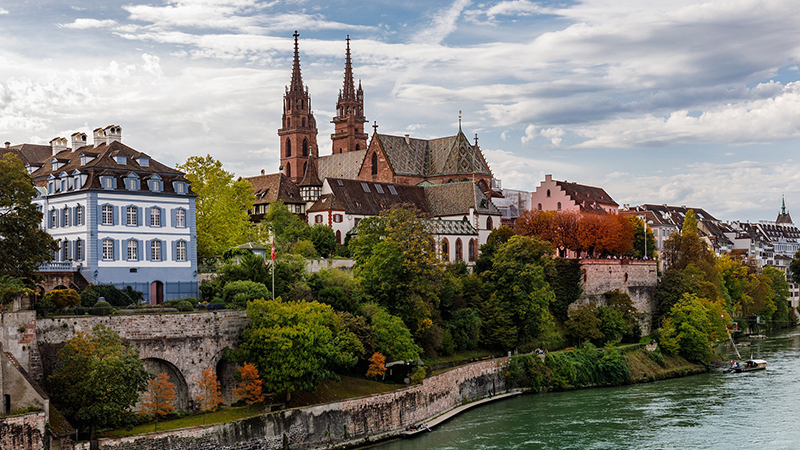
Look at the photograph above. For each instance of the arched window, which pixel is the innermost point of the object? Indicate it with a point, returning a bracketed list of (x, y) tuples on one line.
[(304, 122), (288, 169), (288, 122), (459, 250), (338, 237), (539, 206), (304, 168), (358, 147), (375, 163), (559, 206), (471, 249), (548, 192), (305, 147), (340, 150), (288, 147), (464, 219), (445, 249), (489, 223)]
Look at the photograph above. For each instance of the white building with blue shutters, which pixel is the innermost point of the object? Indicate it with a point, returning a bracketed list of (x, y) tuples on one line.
[(120, 217)]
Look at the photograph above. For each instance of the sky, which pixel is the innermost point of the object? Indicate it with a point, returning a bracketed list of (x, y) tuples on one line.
[(683, 102)]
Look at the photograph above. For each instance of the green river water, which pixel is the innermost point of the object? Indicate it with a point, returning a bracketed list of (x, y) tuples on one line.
[(709, 411)]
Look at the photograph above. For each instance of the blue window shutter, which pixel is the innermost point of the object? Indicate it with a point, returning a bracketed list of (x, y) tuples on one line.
[(147, 216), (147, 250), (141, 249), (173, 213), (163, 217), (139, 216), (100, 214), (114, 215), (174, 250), (124, 250)]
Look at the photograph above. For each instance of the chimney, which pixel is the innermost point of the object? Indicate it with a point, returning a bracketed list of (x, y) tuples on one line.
[(113, 133), (262, 171), (99, 137), (57, 145), (78, 141), (548, 177), (408, 141), (8, 144)]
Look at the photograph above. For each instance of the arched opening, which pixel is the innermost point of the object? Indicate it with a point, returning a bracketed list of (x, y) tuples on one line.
[(489, 223), (157, 366), (288, 122), (548, 192), (288, 169), (445, 249), (459, 250), (338, 237), (559, 206), (156, 293), (471, 249), (374, 163), (539, 206), (358, 147), (305, 147), (288, 147), (226, 375), (304, 122)]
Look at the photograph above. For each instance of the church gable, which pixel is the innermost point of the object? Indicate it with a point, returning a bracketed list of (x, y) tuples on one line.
[(456, 155), (376, 166)]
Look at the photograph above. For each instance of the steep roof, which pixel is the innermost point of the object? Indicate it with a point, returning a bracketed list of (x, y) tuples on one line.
[(273, 187), (431, 157), (454, 227), (586, 196), (453, 199), (341, 165), (368, 198), (311, 177), (28, 153)]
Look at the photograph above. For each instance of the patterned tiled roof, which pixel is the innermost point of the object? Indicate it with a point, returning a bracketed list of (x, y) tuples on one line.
[(456, 227), (311, 177), (586, 195), (441, 156), (341, 165), (275, 186), (452, 199)]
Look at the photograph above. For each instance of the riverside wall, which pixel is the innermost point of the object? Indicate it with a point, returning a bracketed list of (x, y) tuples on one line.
[(24, 432), (334, 425)]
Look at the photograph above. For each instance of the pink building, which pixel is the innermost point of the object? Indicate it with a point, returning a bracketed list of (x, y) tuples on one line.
[(552, 195)]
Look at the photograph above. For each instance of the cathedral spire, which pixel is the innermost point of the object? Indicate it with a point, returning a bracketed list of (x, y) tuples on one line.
[(297, 78), (349, 121), (349, 90)]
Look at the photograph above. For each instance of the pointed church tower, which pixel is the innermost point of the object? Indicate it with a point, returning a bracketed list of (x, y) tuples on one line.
[(298, 133), (783, 216), (348, 134)]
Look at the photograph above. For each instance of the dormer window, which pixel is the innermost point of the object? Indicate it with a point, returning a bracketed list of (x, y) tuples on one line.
[(120, 159), (108, 182), (132, 182), (180, 187), (56, 164), (86, 159), (143, 161), (155, 184)]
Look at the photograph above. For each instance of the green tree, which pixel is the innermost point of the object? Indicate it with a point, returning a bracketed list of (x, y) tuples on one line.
[(465, 328), (565, 277), (240, 292), (693, 327), (640, 241), (23, 245), (323, 238), (10, 287), (295, 345), (286, 228), (498, 329), (99, 381), (397, 266), (497, 237), (584, 324), (777, 282), (221, 205), (392, 336)]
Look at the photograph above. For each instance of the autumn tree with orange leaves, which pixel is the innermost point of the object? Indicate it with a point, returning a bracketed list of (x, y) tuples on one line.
[(377, 366), (159, 400), (210, 396), (588, 234), (249, 388)]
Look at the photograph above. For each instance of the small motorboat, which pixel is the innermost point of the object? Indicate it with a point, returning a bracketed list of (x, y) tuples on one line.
[(750, 365)]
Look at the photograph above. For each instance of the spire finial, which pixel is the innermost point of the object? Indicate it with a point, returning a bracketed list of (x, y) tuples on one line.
[(476, 139), (783, 204), (349, 89), (459, 120), (375, 126), (297, 79)]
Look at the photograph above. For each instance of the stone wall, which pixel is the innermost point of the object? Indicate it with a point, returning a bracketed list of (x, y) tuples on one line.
[(23, 432), (186, 343), (315, 265), (18, 336), (637, 278), (334, 425)]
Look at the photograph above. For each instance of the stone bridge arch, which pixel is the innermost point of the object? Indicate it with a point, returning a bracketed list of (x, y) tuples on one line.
[(182, 345)]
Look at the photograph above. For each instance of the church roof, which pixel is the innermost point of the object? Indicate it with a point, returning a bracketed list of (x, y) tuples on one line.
[(311, 177), (431, 157), (454, 227), (341, 165), (273, 187), (368, 198), (454, 199)]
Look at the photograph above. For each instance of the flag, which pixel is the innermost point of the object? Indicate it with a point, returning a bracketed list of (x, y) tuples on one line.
[(273, 250)]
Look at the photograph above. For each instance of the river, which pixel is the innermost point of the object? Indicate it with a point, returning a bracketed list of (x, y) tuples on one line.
[(751, 410)]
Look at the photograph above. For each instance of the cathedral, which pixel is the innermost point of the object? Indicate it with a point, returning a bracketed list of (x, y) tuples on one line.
[(446, 178)]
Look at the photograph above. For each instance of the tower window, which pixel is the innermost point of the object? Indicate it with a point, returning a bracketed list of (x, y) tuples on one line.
[(304, 122), (305, 147), (288, 170), (375, 163), (288, 147)]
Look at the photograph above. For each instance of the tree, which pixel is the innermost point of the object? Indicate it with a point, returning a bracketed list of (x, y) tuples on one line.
[(295, 345), (584, 324), (250, 384), (159, 400), (99, 381), (777, 281), (11, 287), (23, 245), (210, 396), (397, 266), (693, 327), (64, 298), (640, 242), (221, 205), (376, 366), (392, 336), (496, 238), (323, 238)]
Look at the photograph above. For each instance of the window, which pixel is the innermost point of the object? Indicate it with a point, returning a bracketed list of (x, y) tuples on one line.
[(305, 145), (108, 249), (64, 185), (53, 218), (79, 215), (303, 122), (108, 215), (180, 250), (365, 187), (471, 250), (337, 218), (109, 182), (65, 250), (445, 249), (133, 250), (133, 220), (548, 192), (379, 189), (539, 206), (459, 250), (155, 250), (156, 186), (79, 250), (489, 223), (559, 206), (288, 147), (288, 169), (131, 184), (77, 182), (180, 187), (318, 218), (155, 217), (65, 216), (338, 237), (392, 190), (375, 163), (180, 218), (120, 159)]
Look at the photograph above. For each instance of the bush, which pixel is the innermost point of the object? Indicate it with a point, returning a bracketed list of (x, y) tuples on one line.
[(101, 308), (44, 307), (81, 311), (238, 293), (64, 298), (184, 306), (193, 301), (305, 248), (115, 297)]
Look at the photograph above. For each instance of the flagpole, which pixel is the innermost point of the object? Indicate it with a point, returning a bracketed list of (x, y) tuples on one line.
[(273, 268)]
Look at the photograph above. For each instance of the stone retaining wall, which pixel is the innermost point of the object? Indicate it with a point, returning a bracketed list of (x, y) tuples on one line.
[(334, 425), (23, 432)]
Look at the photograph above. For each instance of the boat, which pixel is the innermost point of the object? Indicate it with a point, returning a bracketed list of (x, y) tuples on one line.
[(750, 365)]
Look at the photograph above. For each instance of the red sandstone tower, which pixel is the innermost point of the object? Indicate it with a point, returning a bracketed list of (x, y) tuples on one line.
[(298, 135), (348, 134)]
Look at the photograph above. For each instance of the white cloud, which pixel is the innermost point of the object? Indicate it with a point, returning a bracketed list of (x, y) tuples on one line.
[(442, 23), (3, 11), (554, 134), (83, 24), (514, 8)]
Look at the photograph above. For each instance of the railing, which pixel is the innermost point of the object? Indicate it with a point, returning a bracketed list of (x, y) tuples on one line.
[(65, 266)]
